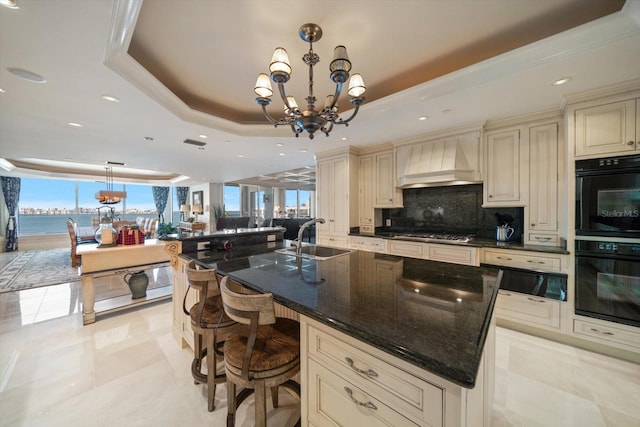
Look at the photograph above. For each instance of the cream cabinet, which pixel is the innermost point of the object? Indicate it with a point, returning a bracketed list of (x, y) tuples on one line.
[(465, 255), (337, 198), (365, 205), (350, 383), (504, 171), (528, 309), (535, 261), (607, 333), (541, 212), (369, 244), (406, 248), (608, 128), (387, 195)]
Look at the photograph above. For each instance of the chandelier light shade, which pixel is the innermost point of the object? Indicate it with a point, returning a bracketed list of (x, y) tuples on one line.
[(110, 196), (311, 119)]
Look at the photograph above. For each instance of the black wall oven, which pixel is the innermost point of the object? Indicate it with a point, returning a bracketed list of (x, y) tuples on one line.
[(608, 197), (607, 256), (608, 280)]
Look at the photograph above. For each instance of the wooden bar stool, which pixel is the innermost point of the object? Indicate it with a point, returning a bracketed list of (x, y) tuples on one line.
[(263, 352), (210, 324)]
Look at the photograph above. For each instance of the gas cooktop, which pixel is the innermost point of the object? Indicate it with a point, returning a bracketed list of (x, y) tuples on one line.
[(434, 237)]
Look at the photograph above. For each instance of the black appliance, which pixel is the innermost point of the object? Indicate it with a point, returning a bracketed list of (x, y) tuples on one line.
[(608, 197), (608, 280), (546, 285)]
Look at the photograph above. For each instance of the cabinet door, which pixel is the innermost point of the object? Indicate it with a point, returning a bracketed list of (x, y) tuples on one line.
[(386, 192), (324, 198), (606, 129), (502, 169), (543, 178), (365, 214), (339, 222)]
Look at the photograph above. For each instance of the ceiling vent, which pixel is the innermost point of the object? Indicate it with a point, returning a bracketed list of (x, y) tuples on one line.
[(115, 163), (192, 142)]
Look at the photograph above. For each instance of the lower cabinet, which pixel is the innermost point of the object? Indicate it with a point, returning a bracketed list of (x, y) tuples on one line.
[(608, 333), (370, 244), (528, 309), (349, 383), (535, 261), (182, 331)]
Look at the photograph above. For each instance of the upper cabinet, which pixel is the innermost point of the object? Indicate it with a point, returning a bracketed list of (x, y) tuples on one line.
[(365, 205), (611, 128), (337, 197), (386, 194), (503, 169)]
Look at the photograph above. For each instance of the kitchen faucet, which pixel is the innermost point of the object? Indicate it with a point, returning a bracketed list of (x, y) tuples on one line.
[(301, 231)]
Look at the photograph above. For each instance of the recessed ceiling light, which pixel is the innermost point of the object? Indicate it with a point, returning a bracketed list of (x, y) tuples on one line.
[(561, 81), (303, 150), (240, 155), (27, 75), (203, 136), (279, 144), (2, 90), (344, 138), (11, 4), (282, 154), (422, 118), (74, 124), (110, 98)]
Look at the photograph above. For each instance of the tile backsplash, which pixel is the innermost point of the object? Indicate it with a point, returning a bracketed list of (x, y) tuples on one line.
[(454, 209)]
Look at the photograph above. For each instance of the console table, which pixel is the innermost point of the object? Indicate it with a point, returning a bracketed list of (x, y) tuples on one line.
[(110, 260), (191, 226)]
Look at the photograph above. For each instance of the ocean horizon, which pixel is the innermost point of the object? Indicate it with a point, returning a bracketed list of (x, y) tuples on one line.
[(55, 224)]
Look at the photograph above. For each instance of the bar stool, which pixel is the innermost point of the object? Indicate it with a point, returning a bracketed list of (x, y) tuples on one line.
[(263, 352), (210, 324)]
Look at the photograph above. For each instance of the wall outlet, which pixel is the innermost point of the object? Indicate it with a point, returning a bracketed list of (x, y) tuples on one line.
[(388, 222)]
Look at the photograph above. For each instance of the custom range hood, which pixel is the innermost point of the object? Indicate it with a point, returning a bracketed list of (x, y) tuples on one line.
[(438, 163)]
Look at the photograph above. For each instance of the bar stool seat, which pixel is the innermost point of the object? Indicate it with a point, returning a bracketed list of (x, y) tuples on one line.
[(264, 352), (210, 324)]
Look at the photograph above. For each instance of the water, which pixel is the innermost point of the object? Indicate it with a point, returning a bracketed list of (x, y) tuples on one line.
[(52, 224)]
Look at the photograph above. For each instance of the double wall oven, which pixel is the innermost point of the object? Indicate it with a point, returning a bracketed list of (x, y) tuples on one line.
[(608, 239)]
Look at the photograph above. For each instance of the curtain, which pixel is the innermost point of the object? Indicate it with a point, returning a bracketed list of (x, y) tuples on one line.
[(11, 192), (160, 196), (182, 193)]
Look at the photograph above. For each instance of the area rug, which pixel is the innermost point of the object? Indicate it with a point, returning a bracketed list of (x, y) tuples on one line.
[(32, 269)]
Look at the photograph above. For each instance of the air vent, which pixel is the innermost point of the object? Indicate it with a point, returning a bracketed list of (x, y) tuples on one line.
[(115, 163), (192, 142)]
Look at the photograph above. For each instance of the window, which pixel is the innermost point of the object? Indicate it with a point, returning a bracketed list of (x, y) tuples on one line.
[(45, 204), (231, 194)]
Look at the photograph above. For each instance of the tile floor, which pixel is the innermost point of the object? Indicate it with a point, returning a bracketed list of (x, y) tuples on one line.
[(127, 369)]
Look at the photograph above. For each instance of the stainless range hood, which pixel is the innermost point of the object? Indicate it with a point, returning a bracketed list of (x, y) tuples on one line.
[(437, 163)]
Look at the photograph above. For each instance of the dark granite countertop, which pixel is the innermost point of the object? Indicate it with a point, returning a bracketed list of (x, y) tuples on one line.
[(479, 243), (228, 233), (431, 314)]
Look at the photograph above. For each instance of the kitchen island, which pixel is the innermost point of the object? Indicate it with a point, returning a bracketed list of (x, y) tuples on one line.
[(411, 338)]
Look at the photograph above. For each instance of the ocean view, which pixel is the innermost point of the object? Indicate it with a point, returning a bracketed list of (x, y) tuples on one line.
[(52, 224)]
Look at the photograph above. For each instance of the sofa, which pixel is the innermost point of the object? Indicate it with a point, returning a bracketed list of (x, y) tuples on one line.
[(232, 222), (149, 226)]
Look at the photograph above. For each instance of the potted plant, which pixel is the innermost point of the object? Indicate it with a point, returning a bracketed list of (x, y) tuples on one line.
[(167, 231)]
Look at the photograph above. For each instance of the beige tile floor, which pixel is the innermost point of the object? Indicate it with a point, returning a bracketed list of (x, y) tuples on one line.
[(126, 369)]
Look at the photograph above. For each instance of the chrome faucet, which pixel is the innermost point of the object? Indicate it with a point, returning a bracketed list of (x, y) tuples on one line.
[(301, 231)]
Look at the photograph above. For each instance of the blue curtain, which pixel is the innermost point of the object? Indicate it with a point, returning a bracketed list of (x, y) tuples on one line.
[(160, 196), (11, 191), (182, 193)]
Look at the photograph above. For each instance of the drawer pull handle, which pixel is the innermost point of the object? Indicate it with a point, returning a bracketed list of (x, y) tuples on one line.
[(368, 372), (602, 333), (543, 239), (536, 300), (368, 405), (532, 261), (504, 258)]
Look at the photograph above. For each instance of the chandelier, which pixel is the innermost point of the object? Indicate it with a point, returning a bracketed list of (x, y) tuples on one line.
[(110, 196), (310, 119)]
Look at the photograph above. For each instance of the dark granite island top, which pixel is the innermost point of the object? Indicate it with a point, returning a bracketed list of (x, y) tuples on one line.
[(431, 314)]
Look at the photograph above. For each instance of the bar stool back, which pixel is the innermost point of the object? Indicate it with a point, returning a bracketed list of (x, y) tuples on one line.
[(263, 352), (210, 326)]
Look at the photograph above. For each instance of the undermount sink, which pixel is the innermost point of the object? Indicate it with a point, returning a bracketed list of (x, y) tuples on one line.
[(314, 252)]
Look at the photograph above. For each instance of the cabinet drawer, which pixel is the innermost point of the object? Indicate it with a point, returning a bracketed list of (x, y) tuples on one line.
[(610, 335), (368, 244), (522, 259), (407, 394), (335, 401), (366, 228), (453, 254), (410, 249), (528, 309), (544, 239)]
